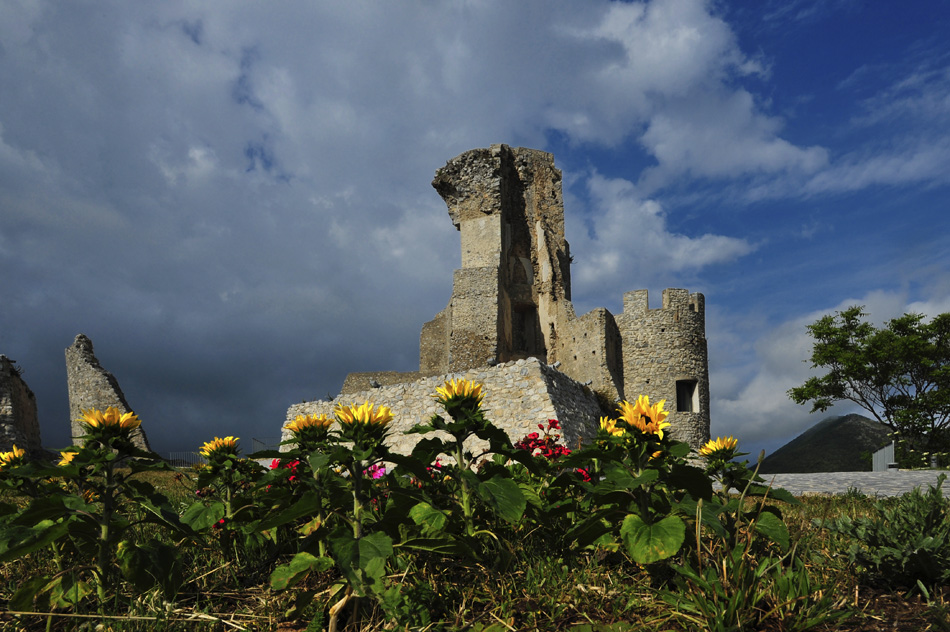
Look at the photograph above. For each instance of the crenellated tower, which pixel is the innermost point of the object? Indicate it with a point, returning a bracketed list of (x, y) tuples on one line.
[(665, 356)]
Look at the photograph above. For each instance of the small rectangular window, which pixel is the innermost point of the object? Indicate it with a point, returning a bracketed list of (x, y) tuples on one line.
[(687, 396)]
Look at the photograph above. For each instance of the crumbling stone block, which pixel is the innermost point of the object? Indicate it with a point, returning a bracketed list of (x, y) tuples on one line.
[(91, 386)]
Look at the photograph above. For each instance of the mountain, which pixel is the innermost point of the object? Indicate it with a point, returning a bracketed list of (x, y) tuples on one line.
[(832, 445)]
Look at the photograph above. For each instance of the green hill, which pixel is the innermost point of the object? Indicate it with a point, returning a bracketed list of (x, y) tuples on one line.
[(832, 445)]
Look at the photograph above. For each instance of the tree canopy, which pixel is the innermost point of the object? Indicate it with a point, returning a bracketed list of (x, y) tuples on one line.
[(900, 373)]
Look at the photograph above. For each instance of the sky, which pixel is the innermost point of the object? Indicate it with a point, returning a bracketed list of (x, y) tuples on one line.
[(233, 200)]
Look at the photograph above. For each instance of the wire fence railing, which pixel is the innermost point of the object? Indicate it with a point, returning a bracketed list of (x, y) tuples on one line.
[(187, 458)]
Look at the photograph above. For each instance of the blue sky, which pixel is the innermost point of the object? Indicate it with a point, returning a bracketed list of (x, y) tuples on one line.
[(233, 201)]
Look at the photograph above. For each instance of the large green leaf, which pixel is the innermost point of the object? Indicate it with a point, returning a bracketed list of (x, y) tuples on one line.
[(200, 516), (19, 541), (431, 520), (22, 599), (299, 567), (649, 543), (772, 527), (504, 496), (308, 503)]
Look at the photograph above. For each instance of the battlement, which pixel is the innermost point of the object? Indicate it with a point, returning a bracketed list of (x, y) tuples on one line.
[(638, 302)]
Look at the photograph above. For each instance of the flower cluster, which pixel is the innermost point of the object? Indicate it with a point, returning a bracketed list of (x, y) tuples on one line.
[(375, 471), (546, 446), (290, 465), (12, 458)]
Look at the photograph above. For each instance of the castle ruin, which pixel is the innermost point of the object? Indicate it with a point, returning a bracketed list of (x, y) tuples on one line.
[(511, 302)]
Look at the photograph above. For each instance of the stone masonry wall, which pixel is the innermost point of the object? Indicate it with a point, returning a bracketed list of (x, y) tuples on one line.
[(518, 396), (18, 422), (91, 386)]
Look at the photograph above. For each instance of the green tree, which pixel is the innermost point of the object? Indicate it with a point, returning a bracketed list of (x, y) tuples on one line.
[(900, 373)]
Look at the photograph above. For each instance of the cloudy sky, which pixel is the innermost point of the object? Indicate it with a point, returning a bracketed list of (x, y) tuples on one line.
[(233, 200)]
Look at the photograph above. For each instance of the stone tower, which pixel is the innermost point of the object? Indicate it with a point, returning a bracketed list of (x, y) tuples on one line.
[(515, 271), (664, 356), (91, 386)]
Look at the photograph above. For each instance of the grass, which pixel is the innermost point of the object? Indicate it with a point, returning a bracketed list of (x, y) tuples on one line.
[(589, 591)]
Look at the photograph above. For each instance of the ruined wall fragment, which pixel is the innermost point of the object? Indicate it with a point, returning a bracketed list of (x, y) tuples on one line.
[(19, 424), (91, 386)]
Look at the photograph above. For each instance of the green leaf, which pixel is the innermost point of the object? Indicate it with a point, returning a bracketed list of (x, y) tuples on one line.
[(504, 496), (304, 505), (200, 516), (18, 541), (22, 599), (66, 591), (298, 568), (649, 543), (429, 518), (772, 527)]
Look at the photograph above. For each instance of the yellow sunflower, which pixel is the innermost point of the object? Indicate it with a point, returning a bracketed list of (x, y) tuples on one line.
[(720, 448), (363, 415), (112, 418), (219, 447), (67, 457), (609, 426), (644, 417), (459, 392), (304, 422), (13, 457)]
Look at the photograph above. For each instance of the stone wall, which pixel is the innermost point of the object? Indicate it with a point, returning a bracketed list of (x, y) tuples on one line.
[(518, 396), (91, 386), (18, 421)]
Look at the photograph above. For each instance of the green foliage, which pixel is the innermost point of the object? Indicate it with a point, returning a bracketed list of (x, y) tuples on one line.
[(340, 528), (900, 374), (901, 543)]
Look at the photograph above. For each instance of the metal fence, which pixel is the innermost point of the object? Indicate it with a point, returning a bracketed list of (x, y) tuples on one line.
[(883, 459), (268, 443), (184, 459)]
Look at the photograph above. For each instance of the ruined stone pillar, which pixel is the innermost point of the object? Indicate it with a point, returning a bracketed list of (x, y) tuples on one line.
[(18, 421), (91, 386)]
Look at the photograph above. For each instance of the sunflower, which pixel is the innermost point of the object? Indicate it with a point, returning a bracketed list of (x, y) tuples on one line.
[(67, 457), (458, 394), (111, 419), (720, 448), (219, 448), (610, 426), (363, 415), (644, 417), (12, 458), (305, 422)]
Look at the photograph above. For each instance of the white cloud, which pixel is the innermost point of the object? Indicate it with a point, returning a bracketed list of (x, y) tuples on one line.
[(626, 241)]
